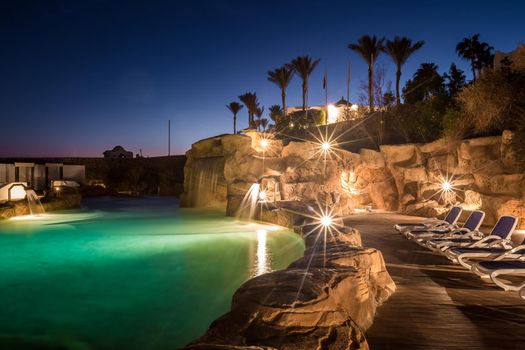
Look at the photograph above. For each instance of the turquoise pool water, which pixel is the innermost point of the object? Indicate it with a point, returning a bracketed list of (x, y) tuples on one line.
[(128, 273)]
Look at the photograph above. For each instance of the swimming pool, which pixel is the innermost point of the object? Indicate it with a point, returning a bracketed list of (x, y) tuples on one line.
[(129, 273)]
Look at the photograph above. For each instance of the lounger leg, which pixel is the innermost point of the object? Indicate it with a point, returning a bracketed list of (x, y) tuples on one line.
[(494, 277)]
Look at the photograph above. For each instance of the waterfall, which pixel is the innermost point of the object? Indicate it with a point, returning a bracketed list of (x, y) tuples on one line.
[(34, 204), (207, 185), (249, 202)]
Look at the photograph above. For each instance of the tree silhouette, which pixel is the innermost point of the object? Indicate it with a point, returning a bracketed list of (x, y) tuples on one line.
[(259, 113), (455, 80), (234, 107), (369, 48), (399, 50), (425, 83), (304, 66), (282, 77), (250, 101), (264, 124), (479, 54)]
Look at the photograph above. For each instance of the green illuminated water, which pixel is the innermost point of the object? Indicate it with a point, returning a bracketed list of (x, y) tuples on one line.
[(128, 274)]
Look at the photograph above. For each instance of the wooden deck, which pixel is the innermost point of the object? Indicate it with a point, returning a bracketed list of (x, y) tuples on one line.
[(437, 305)]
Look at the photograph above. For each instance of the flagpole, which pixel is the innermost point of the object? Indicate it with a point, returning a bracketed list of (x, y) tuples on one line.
[(348, 90), (325, 83), (169, 137)]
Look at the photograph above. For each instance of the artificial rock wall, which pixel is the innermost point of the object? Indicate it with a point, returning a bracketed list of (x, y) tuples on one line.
[(404, 178)]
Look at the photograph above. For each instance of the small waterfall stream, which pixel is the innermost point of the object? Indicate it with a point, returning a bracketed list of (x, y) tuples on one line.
[(205, 182), (249, 202), (34, 204)]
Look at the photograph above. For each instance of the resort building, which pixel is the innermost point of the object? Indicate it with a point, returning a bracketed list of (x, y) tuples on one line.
[(36, 176), (337, 112), (118, 152)]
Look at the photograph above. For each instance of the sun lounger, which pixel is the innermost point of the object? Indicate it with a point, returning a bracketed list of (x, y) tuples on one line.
[(497, 269), (468, 256), (448, 223), (500, 233), (472, 224)]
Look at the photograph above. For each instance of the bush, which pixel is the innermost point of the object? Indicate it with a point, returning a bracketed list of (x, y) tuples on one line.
[(493, 103), (313, 117), (421, 121)]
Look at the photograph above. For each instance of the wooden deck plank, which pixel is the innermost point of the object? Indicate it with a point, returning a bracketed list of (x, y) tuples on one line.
[(437, 305)]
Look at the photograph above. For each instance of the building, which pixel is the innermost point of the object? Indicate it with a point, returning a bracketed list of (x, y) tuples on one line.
[(118, 152), (337, 112), (39, 177)]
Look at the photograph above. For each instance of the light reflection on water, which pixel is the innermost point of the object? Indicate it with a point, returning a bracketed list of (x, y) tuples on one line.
[(161, 273), (263, 259)]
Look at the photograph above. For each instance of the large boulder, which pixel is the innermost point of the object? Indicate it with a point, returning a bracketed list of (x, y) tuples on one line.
[(294, 309), (481, 155), (401, 155), (508, 156), (372, 158), (303, 150), (325, 300), (496, 205), (252, 168), (439, 147)]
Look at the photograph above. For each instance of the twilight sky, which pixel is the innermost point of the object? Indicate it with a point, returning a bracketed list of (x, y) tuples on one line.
[(79, 77)]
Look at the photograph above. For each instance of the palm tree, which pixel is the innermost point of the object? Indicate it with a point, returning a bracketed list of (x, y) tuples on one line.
[(234, 107), (250, 101), (466, 49), (478, 53), (275, 112), (304, 66), (399, 50), (369, 49), (282, 77), (258, 113), (264, 124)]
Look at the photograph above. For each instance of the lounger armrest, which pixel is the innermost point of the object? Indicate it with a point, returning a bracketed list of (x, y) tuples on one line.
[(503, 243), (466, 256), (517, 248), (505, 284), (485, 240), (471, 234), (462, 233), (458, 231), (512, 254)]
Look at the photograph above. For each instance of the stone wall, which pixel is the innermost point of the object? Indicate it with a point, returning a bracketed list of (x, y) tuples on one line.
[(406, 178), (482, 172)]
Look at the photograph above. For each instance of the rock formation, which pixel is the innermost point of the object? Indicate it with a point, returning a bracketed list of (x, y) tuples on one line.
[(404, 178), (325, 300)]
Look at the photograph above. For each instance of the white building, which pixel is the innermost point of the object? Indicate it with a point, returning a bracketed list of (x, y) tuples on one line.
[(337, 112), (35, 176)]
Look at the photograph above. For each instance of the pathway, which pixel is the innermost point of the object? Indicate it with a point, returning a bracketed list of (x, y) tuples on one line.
[(437, 305)]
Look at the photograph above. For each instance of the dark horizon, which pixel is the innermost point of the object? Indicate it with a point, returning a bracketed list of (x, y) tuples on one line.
[(82, 77)]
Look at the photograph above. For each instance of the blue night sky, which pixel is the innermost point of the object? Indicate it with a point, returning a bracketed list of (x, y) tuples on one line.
[(79, 77)]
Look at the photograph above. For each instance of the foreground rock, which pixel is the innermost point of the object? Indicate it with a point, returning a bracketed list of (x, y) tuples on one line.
[(325, 300)]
